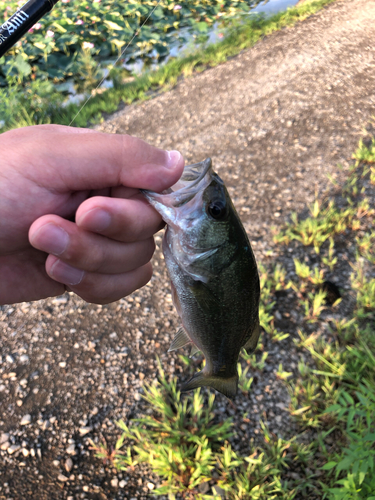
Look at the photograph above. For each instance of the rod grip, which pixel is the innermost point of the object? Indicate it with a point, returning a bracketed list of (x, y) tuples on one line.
[(21, 21)]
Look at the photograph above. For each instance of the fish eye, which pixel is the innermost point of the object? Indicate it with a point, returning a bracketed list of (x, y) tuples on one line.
[(216, 210)]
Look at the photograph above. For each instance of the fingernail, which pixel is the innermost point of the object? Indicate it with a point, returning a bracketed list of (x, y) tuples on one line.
[(97, 220), (51, 239), (66, 274), (173, 159)]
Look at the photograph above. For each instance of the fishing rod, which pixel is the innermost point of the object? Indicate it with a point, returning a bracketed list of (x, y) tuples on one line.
[(21, 21)]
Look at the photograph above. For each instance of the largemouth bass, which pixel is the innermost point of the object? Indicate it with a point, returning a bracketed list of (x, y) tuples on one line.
[(214, 276)]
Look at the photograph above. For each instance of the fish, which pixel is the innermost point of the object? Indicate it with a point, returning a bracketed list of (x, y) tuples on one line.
[(213, 273)]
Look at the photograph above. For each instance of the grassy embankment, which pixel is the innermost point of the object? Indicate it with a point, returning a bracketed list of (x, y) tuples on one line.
[(332, 396), (35, 91)]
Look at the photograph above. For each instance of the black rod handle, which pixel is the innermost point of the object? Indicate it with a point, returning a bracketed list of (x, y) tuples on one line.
[(21, 21)]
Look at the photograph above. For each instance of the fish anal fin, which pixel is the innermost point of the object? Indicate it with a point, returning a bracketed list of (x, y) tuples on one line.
[(227, 386), (251, 343), (181, 339)]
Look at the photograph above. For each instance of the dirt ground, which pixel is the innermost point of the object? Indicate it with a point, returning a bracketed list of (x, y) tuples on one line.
[(276, 120)]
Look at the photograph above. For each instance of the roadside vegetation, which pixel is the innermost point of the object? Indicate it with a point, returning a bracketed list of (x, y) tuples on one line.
[(329, 450), (64, 59)]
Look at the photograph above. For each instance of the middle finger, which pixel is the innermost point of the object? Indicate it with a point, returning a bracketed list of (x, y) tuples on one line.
[(126, 220), (88, 251)]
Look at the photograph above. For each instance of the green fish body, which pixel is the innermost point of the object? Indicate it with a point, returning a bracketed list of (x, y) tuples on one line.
[(213, 272)]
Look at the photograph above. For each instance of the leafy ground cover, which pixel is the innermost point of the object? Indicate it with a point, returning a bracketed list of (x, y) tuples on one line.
[(77, 44), (329, 451)]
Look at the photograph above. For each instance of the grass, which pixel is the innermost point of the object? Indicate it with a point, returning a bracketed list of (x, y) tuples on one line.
[(331, 454), (39, 102)]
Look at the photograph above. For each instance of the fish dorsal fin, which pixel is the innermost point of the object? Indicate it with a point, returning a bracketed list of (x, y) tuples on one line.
[(194, 350), (181, 339), (251, 343), (227, 386)]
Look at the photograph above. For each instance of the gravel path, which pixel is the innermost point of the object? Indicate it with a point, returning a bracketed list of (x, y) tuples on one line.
[(275, 120)]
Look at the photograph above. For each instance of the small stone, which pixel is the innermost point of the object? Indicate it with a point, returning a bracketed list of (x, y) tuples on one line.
[(114, 482), (26, 420), (68, 464), (150, 486), (56, 463), (19, 402), (85, 488), (32, 452), (23, 382), (45, 425), (12, 449), (71, 449), (52, 420), (4, 437), (60, 300), (10, 358), (24, 358), (2, 387), (5, 445), (62, 478), (25, 452), (85, 430), (218, 491), (39, 452), (203, 487), (62, 364), (76, 345), (122, 483)]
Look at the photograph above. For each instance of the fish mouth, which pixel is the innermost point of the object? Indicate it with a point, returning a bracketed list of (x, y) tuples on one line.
[(194, 178)]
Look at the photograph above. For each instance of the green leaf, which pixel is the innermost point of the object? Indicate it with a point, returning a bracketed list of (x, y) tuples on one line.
[(113, 25), (329, 466), (40, 45), (22, 66)]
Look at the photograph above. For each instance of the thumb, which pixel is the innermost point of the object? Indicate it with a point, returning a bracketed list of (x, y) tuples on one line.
[(80, 159)]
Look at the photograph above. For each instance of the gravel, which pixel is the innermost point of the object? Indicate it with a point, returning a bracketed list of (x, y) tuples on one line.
[(275, 120)]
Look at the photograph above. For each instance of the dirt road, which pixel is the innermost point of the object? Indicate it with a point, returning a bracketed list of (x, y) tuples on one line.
[(275, 120)]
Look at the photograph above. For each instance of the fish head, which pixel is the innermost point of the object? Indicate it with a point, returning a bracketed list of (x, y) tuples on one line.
[(201, 220)]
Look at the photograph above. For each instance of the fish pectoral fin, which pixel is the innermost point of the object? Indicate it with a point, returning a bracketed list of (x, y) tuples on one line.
[(227, 386), (251, 343), (206, 300), (194, 350), (181, 339)]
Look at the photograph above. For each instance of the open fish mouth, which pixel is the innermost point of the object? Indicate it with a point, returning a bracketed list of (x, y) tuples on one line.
[(194, 179)]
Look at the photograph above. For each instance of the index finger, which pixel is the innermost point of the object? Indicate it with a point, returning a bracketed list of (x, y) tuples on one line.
[(72, 160)]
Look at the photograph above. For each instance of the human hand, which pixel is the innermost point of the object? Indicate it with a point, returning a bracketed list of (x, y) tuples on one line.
[(50, 176)]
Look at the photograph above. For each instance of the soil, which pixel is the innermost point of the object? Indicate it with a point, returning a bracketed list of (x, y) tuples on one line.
[(276, 119)]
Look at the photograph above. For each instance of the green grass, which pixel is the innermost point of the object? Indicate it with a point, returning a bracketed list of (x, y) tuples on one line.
[(37, 101), (332, 400)]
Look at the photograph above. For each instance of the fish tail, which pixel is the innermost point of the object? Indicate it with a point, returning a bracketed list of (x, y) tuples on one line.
[(227, 386)]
